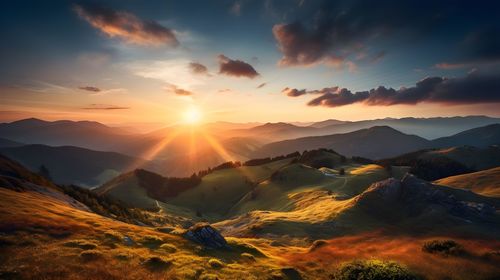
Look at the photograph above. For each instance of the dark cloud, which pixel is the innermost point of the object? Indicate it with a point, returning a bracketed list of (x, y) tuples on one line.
[(262, 85), (179, 91), (198, 68), (483, 45), (341, 29), (126, 26), (293, 92), (236, 68), (104, 107), (90, 88), (471, 89)]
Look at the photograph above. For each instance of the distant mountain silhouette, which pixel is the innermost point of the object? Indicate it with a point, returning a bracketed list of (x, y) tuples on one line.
[(429, 128), (73, 165), (86, 134), (376, 142), (479, 137)]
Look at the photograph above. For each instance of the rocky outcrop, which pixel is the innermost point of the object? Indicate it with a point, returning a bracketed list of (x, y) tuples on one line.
[(205, 235), (415, 196)]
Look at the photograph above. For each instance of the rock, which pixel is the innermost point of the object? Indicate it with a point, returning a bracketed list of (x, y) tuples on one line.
[(291, 273), (205, 235), (128, 241)]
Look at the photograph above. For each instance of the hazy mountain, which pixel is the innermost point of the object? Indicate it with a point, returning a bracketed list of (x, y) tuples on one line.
[(275, 131), (376, 142), (329, 122), (74, 165), (5, 143), (86, 134), (479, 137), (429, 128)]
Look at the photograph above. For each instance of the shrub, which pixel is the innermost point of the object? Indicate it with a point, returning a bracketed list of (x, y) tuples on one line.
[(90, 255), (373, 270), (209, 277), (169, 248), (215, 263), (445, 247), (157, 263), (81, 243)]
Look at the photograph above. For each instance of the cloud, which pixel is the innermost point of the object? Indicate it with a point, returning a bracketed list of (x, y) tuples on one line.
[(104, 107), (471, 89), (339, 30), (179, 91), (293, 92), (450, 66), (236, 68), (198, 68), (174, 71), (90, 88), (262, 85), (127, 26)]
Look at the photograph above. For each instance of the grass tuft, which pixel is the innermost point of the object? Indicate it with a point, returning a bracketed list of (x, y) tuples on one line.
[(169, 248), (248, 257), (82, 244), (215, 263), (157, 263), (317, 244), (91, 255)]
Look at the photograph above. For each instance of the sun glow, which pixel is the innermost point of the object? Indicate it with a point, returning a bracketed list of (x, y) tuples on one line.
[(192, 116)]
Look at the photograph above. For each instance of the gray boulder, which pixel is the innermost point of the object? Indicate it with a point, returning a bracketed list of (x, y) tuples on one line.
[(206, 235)]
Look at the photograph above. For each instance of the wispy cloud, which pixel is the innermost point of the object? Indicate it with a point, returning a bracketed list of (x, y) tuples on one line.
[(90, 88), (178, 91), (104, 107), (175, 71), (262, 85)]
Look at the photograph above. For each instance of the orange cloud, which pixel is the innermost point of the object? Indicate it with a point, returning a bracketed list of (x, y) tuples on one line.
[(127, 26)]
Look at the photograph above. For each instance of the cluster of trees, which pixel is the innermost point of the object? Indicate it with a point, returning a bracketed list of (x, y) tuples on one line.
[(107, 206), (260, 161), (429, 168), (160, 187), (316, 159)]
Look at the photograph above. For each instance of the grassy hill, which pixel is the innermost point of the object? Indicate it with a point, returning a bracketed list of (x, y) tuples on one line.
[(480, 137), (486, 182), (435, 164)]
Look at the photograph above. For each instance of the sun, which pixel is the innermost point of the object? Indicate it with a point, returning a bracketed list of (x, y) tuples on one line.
[(192, 116)]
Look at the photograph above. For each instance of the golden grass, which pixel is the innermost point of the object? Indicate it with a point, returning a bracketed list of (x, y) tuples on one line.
[(486, 182)]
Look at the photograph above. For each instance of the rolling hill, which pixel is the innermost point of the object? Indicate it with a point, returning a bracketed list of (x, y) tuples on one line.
[(479, 137), (486, 182)]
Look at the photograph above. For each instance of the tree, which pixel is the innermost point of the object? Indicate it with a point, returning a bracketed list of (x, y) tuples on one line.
[(44, 172), (341, 171)]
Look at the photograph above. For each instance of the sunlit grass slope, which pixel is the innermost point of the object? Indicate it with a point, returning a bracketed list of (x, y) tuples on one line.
[(486, 182)]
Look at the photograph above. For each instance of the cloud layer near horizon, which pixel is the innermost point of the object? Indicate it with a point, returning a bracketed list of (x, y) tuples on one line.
[(127, 26), (471, 89)]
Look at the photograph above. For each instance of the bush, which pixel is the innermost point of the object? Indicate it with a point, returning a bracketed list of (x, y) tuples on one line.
[(373, 270), (215, 263), (90, 255), (445, 247), (81, 243), (157, 263), (113, 235)]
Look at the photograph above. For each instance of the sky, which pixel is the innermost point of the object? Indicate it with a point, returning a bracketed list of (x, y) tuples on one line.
[(129, 61)]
